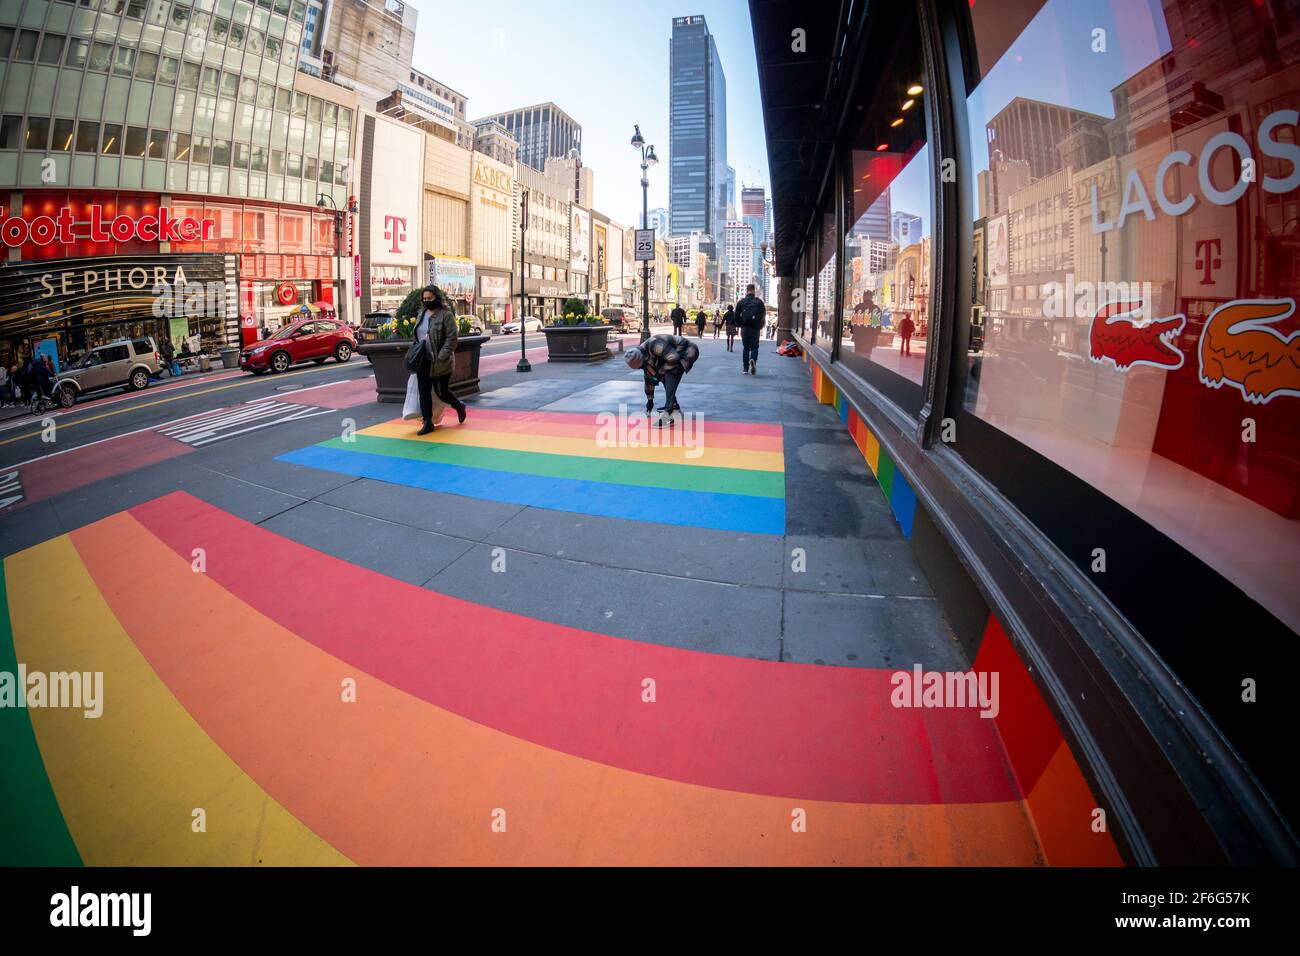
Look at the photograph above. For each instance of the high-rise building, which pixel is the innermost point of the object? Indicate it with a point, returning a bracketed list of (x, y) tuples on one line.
[(739, 263), (363, 46), (1032, 131), (877, 221), (658, 221), (905, 228), (733, 211), (543, 132), (697, 136), (753, 212), (418, 99)]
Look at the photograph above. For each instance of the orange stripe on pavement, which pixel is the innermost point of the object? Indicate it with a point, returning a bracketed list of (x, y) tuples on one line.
[(392, 780)]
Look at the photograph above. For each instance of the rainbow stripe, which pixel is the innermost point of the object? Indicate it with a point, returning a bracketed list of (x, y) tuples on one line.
[(224, 691), (733, 480)]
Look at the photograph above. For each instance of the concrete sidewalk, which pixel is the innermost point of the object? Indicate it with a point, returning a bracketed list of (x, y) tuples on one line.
[(614, 644)]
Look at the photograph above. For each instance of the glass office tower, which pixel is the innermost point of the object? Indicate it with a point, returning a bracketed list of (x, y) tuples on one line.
[(697, 147)]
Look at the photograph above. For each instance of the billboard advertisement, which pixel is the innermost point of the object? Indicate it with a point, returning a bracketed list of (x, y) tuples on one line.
[(454, 275), (396, 186), (999, 243), (580, 240)]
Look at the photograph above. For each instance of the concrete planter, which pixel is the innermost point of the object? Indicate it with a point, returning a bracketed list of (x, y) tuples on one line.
[(577, 343), (388, 359)]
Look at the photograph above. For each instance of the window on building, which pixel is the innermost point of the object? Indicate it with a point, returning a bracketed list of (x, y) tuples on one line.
[(158, 144), (38, 133), (180, 146), (167, 70), (101, 57), (112, 140), (1124, 375), (136, 141), (146, 65), (87, 137), (25, 51), (11, 132), (51, 48), (63, 134)]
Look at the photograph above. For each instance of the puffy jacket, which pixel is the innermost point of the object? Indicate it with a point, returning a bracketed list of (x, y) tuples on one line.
[(666, 353), (752, 313), (441, 337)]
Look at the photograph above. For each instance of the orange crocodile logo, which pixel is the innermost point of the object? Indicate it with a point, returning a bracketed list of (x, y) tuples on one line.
[(1240, 347)]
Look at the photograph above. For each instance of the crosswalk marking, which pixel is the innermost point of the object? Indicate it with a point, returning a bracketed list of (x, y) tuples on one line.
[(227, 422)]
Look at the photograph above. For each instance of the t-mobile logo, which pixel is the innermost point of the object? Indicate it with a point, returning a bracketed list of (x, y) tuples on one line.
[(395, 232)]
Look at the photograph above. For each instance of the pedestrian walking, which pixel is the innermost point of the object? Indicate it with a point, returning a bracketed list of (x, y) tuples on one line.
[(717, 322), (6, 389), (906, 328), (678, 316), (732, 323), (701, 318), (168, 353), (753, 315), (663, 358), (438, 330)]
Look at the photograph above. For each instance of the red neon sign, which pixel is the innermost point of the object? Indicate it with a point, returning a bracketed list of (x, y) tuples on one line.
[(63, 228)]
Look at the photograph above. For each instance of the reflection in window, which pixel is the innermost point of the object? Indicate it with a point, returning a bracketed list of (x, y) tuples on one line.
[(38, 133), (885, 308), (1117, 239), (87, 137), (135, 141), (112, 139), (63, 132)]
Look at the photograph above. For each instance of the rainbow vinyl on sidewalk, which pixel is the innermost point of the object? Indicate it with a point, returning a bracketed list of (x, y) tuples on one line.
[(700, 473), (301, 726)]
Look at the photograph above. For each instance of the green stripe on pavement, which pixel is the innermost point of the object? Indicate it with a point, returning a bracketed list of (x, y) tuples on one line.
[(645, 474), (32, 831)]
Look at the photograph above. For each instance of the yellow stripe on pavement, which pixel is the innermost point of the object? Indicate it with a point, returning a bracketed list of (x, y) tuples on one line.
[(129, 781), (588, 448)]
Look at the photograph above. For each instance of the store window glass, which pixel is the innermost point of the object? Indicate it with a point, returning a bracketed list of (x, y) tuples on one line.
[(1137, 262), (885, 310)]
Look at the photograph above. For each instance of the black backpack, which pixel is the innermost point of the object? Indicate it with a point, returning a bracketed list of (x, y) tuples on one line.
[(751, 313)]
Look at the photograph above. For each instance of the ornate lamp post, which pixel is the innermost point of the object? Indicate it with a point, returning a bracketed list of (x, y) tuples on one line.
[(648, 159)]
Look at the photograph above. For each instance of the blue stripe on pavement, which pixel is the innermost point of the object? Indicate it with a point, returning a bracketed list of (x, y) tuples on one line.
[(661, 505)]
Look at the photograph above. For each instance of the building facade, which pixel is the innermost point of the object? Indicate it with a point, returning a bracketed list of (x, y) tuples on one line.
[(547, 247), (115, 122), (739, 264), (753, 209), (1089, 292), (543, 132), (697, 117), (364, 46)]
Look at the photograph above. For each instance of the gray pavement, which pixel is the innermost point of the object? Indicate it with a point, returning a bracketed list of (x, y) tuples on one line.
[(861, 602)]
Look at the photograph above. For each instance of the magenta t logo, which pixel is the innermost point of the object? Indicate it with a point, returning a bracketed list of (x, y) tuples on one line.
[(395, 231)]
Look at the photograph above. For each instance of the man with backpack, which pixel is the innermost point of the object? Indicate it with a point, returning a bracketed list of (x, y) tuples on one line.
[(752, 314)]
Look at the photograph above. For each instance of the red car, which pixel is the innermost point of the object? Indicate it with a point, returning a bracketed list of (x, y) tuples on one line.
[(311, 339)]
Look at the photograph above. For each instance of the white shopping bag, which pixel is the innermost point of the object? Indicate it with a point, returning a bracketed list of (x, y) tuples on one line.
[(411, 406)]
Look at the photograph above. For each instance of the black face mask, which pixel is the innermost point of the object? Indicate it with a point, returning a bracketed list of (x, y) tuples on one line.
[(428, 303)]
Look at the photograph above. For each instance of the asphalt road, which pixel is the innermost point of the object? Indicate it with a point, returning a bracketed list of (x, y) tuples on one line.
[(119, 412)]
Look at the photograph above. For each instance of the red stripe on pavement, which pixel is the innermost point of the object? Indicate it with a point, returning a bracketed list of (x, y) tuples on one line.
[(47, 477), (593, 421), (826, 733), (335, 395)]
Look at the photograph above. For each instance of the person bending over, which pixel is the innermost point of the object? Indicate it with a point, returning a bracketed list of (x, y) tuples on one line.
[(663, 358)]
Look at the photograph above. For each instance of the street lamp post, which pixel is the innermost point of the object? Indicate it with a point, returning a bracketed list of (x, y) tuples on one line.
[(524, 365), (648, 159), (321, 200)]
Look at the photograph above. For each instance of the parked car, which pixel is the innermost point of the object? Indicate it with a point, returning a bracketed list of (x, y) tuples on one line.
[(533, 325), (312, 340), (125, 363), (622, 320)]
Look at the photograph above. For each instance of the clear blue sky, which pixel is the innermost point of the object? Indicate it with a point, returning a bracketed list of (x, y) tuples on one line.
[(605, 63)]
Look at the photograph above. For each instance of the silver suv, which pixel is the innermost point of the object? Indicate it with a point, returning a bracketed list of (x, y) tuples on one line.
[(125, 363)]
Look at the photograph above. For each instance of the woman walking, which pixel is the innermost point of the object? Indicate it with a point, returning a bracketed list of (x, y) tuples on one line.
[(732, 324), (438, 329)]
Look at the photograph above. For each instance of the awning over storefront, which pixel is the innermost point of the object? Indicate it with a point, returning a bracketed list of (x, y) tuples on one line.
[(799, 90)]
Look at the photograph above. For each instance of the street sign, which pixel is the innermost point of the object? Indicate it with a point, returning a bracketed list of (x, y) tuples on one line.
[(645, 245)]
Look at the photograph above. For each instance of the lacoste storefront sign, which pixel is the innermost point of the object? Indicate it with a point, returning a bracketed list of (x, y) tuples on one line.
[(63, 228)]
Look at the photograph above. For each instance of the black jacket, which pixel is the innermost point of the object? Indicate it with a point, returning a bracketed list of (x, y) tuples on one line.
[(666, 353), (752, 313)]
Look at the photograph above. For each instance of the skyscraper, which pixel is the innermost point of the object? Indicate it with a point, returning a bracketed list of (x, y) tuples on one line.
[(697, 131), (753, 210), (543, 132)]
